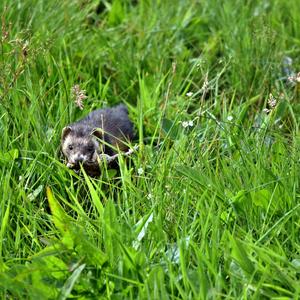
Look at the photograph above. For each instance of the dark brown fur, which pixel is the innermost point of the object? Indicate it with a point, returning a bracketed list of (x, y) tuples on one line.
[(101, 131)]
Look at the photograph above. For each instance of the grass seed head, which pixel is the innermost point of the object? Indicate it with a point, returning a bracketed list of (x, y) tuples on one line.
[(78, 96)]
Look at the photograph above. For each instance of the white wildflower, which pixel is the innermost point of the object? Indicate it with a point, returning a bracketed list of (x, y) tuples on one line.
[(149, 196), (191, 123), (229, 118), (295, 78), (185, 124), (140, 171), (272, 101), (190, 94)]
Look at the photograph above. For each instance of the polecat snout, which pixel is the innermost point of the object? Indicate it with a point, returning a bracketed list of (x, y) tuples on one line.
[(101, 131)]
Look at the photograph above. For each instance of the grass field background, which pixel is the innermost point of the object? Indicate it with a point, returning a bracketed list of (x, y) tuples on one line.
[(208, 207)]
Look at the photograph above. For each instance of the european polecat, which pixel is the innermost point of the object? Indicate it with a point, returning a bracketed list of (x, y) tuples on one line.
[(103, 131)]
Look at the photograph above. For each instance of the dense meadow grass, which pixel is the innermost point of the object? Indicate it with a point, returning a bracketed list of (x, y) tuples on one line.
[(208, 207)]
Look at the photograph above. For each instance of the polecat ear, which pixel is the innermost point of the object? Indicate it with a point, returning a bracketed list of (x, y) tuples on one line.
[(98, 133), (65, 132)]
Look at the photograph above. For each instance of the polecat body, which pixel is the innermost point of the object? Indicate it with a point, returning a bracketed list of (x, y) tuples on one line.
[(101, 131)]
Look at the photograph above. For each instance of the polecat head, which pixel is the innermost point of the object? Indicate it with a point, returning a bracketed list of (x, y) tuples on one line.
[(81, 144)]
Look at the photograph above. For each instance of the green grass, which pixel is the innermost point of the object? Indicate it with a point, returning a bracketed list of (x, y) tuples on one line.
[(215, 213)]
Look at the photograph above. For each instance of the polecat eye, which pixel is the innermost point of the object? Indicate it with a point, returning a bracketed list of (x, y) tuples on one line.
[(70, 147)]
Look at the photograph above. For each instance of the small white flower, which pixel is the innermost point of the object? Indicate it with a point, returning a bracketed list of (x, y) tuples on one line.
[(272, 101), (295, 78), (149, 196), (190, 94), (140, 171), (185, 124), (229, 118)]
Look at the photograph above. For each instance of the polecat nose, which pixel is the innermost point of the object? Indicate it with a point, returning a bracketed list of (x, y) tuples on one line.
[(79, 160)]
